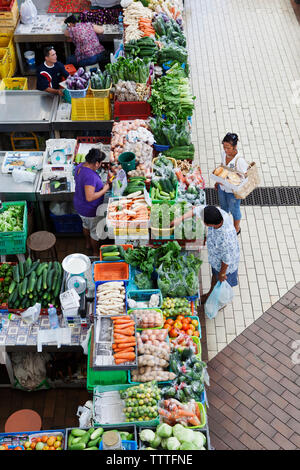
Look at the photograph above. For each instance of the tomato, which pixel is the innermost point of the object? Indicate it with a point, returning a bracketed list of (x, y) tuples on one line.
[(44, 438), (167, 327), (190, 332), (178, 325), (186, 320), (170, 321), (18, 448), (192, 327), (195, 323), (174, 333), (185, 326), (32, 445), (196, 333), (38, 439), (180, 317)]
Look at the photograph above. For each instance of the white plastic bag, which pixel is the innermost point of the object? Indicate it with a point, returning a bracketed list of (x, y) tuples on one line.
[(85, 414), (31, 315), (28, 12), (221, 295), (23, 176)]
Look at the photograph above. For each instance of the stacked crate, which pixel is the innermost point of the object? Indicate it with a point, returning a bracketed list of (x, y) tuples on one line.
[(9, 16)]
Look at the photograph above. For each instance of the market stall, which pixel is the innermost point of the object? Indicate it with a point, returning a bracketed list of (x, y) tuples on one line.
[(133, 309)]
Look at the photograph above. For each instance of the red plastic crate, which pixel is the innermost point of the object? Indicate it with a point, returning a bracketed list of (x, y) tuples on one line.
[(6, 5), (129, 110)]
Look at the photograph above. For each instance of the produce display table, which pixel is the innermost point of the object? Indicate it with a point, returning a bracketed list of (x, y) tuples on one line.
[(11, 191)]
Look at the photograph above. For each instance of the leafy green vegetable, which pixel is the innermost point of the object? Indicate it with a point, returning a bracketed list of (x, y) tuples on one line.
[(147, 435), (143, 281), (164, 430), (11, 220), (136, 70)]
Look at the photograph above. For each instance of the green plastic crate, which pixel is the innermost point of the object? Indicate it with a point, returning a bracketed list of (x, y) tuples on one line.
[(106, 377), (109, 388), (13, 243)]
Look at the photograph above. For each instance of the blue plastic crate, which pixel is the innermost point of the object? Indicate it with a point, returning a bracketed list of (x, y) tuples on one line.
[(69, 223), (143, 296), (160, 148), (126, 445), (97, 283)]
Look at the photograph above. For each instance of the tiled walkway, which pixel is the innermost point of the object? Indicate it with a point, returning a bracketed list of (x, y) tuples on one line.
[(244, 59), (255, 382)]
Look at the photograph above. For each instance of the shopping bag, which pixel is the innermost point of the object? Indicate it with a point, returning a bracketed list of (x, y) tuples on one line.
[(252, 182), (28, 12), (221, 295)]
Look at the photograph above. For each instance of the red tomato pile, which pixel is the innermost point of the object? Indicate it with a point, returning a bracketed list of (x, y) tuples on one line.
[(181, 323)]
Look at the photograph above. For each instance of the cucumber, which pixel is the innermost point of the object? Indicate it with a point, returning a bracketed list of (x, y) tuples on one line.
[(112, 258), (70, 440), (58, 267), (54, 282), (92, 448), (23, 287), (16, 275), (31, 282), (45, 274), (14, 297), (94, 442), (12, 287), (41, 268), (108, 249), (112, 253), (50, 277), (77, 432), (97, 433), (28, 264), (21, 270), (85, 439), (39, 283), (122, 252), (33, 267), (9, 300), (57, 288), (78, 446)]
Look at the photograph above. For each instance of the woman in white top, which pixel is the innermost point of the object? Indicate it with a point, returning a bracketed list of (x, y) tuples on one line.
[(231, 158)]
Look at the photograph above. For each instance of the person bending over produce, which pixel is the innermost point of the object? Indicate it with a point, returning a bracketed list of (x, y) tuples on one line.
[(50, 73), (232, 159), (89, 194), (88, 50), (222, 245)]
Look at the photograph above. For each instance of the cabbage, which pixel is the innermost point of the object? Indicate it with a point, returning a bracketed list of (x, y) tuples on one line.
[(199, 439), (164, 430), (173, 443), (156, 441), (183, 434), (188, 446), (164, 443), (147, 435)]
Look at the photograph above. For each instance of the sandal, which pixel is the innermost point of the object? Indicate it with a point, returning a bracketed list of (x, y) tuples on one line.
[(238, 232)]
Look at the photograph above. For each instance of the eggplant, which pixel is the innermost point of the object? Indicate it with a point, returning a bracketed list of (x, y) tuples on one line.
[(80, 71)]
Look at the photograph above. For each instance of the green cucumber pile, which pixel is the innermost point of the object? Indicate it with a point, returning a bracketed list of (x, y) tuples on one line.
[(100, 80), (35, 282), (112, 253), (80, 439), (135, 183), (164, 189), (6, 273), (143, 47)]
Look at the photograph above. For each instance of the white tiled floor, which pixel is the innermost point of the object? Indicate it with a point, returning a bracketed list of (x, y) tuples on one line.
[(244, 57), (266, 271)]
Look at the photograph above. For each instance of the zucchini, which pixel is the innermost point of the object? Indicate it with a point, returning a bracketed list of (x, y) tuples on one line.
[(16, 275), (108, 249)]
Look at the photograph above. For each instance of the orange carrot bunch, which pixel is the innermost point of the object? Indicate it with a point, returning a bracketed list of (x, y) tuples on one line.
[(124, 339), (145, 25)]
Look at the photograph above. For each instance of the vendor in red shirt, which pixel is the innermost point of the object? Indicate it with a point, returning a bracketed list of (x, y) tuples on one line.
[(88, 50)]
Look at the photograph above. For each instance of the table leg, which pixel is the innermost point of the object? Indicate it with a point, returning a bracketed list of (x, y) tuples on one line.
[(43, 216), (20, 58)]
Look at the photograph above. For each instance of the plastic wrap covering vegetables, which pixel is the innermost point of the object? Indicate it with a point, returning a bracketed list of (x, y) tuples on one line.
[(169, 29), (191, 376), (183, 152), (171, 96), (173, 134), (101, 16), (11, 220), (136, 70), (100, 81), (164, 182), (172, 411)]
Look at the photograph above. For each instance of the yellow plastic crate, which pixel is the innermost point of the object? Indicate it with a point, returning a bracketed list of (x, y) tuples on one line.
[(5, 63), (91, 109), (10, 18), (105, 93), (11, 83)]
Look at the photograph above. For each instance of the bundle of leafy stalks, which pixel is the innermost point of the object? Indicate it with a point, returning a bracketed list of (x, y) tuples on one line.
[(136, 70)]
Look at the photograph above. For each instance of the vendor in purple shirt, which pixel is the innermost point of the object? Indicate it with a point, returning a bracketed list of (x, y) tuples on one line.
[(89, 194)]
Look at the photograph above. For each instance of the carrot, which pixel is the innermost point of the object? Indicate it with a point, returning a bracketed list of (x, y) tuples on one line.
[(124, 325), (121, 361), (123, 346), (194, 421), (125, 341), (125, 355), (117, 336), (129, 349), (181, 413), (125, 331), (120, 317)]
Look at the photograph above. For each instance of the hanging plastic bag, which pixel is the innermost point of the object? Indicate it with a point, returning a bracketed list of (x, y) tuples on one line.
[(28, 12), (221, 295), (85, 414)]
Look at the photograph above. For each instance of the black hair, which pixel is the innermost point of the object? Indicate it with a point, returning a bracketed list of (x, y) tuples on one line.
[(94, 156), (47, 49), (212, 215), (71, 19), (232, 139)]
